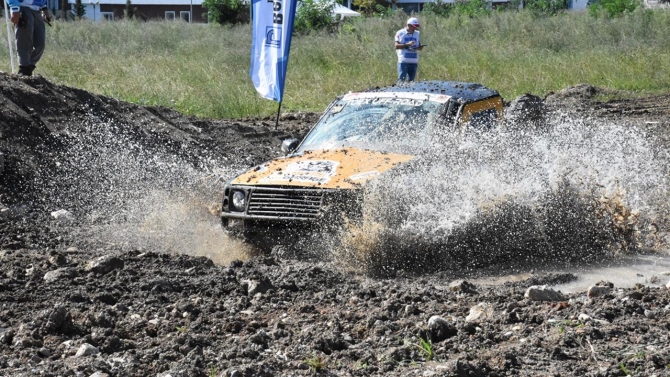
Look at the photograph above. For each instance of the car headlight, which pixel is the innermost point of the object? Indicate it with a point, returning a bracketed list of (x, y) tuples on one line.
[(239, 200)]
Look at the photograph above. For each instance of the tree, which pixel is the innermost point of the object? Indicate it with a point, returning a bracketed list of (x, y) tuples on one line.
[(313, 15), (64, 13), (227, 11), (79, 9), (368, 7), (612, 8), (472, 8), (550, 7), (129, 12), (438, 8)]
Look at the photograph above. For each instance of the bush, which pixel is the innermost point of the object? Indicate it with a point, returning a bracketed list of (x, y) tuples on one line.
[(372, 7), (548, 7), (227, 11), (383, 11), (438, 8), (313, 15), (472, 8), (612, 8)]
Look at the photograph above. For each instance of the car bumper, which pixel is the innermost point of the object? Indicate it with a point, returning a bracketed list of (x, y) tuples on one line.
[(280, 210)]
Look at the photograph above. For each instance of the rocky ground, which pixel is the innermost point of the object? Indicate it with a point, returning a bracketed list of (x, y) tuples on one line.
[(74, 303)]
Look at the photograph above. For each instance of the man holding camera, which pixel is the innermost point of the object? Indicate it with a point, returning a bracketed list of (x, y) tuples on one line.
[(29, 17)]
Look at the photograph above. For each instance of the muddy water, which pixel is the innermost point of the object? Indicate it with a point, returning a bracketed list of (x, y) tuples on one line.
[(581, 190), (650, 270), (623, 272), (125, 193)]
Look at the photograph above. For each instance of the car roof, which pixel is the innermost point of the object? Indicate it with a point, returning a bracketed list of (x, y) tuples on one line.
[(468, 91)]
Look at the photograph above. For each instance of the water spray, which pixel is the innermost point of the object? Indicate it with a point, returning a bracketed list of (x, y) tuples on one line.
[(9, 39)]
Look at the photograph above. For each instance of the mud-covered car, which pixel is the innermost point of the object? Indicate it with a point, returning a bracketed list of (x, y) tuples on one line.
[(359, 137)]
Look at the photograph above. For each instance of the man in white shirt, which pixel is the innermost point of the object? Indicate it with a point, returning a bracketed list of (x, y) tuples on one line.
[(407, 47)]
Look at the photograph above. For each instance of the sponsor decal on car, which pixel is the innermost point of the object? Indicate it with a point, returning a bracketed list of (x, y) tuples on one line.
[(440, 98), (315, 171)]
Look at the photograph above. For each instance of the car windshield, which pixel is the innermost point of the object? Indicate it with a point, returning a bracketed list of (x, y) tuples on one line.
[(391, 123)]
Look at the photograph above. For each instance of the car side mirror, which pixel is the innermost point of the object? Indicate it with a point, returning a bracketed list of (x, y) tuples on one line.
[(289, 145)]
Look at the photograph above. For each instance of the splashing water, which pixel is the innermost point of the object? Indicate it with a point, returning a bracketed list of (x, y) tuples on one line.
[(135, 191), (581, 190)]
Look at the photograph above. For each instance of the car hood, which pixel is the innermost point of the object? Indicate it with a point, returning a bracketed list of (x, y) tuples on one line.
[(343, 168)]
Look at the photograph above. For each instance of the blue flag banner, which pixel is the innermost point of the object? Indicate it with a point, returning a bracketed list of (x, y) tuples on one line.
[(272, 27)]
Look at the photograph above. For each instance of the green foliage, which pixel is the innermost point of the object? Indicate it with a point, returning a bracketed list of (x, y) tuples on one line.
[(79, 9), (546, 7), (227, 11), (383, 11), (313, 15), (370, 7), (472, 8), (612, 8), (316, 363), (128, 11), (426, 347), (623, 369), (438, 8)]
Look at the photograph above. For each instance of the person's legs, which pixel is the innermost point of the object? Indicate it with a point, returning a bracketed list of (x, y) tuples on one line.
[(39, 38), (402, 72), (30, 40), (24, 39), (411, 71)]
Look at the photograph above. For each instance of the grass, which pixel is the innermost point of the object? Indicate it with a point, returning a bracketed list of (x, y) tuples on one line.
[(426, 348), (316, 363), (203, 70)]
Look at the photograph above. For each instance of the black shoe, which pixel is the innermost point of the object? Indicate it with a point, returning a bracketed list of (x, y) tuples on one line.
[(26, 70)]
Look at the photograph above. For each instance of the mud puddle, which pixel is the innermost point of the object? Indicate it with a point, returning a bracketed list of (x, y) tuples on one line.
[(624, 272)]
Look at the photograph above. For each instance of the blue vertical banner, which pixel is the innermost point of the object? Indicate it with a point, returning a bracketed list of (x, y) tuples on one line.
[(272, 23)]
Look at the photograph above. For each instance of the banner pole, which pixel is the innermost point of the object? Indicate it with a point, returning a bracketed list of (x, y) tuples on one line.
[(278, 111), (9, 38)]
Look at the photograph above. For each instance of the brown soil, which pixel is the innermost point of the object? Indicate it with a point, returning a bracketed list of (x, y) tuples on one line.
[(75, 302)]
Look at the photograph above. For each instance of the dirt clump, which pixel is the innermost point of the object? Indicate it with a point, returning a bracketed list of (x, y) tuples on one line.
[(72, 304)]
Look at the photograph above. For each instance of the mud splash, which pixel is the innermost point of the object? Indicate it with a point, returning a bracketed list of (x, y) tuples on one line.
[(579, 191), (125, 192)]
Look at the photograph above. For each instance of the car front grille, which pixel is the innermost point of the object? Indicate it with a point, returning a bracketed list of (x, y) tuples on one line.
[(285, 203)]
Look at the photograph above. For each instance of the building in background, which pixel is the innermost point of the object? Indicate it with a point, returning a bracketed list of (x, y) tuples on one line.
[(110, 10)]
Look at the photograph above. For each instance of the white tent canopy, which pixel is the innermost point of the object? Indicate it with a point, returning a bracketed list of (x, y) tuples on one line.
[(342, 11)]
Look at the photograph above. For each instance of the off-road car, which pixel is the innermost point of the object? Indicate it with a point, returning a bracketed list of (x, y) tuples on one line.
[(359, 137)]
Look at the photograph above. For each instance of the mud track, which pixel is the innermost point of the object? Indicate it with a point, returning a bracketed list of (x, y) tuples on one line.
[(73, 304)]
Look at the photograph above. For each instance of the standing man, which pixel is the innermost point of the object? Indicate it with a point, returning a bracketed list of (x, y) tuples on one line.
[(28, 18), (407, 47)]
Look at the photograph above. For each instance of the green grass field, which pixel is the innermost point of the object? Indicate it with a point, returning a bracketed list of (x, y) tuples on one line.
[(203, 70)]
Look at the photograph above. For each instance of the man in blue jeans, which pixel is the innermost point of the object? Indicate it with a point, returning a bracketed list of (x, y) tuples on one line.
[(29, 20), (407, 47)]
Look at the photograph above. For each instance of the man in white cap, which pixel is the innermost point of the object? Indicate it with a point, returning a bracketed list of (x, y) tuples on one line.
[(407, 47)]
